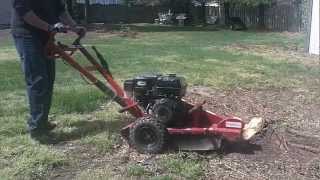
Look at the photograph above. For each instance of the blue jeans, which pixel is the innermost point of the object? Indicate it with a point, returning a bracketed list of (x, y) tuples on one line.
[(39, 72)]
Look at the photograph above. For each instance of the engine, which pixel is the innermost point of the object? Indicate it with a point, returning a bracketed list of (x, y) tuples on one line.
[(158, 94)]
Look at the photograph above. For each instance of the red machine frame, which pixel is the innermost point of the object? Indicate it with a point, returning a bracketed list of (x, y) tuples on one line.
[(198, 122)]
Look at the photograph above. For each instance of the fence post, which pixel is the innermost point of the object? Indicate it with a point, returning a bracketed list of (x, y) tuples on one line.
[(226, 13), (308, 26), (86, 12), (261, 16)]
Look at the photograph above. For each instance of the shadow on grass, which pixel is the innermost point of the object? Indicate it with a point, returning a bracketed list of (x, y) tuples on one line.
[(171, 28), (82, 129), (242, 147), (157, 28)]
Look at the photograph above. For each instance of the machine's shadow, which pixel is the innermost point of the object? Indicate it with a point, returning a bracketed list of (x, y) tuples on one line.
[(242, 147), (81, 129)]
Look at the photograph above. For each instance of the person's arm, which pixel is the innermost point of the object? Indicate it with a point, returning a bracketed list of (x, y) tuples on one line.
[(32, 19), (22, 7), (66, 19)]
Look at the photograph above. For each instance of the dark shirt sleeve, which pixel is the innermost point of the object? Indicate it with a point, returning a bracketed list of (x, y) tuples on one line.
[(61, 6), (21, 6)]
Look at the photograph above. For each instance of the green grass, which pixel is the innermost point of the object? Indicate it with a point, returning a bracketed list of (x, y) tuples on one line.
[(23, 159), (171, 166), (97, 174), (86, 119), (185, 167), (66, 100), (136, 170)]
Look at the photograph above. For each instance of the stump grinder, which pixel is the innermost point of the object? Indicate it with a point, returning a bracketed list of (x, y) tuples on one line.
[(163, 117)]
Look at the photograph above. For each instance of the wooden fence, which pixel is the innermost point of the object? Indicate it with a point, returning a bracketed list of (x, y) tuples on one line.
[(119, 13), (277, 18)]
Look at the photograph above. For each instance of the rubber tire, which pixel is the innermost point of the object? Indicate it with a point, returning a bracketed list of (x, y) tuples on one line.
[(164, 105), (157, 128)]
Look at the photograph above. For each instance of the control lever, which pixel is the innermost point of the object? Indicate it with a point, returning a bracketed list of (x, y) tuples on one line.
[(103, 61), (197, 107), (81, 35)]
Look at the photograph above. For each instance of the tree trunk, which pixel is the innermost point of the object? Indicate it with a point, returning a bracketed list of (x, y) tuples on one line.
[(70, 6), (261, 18), (86, 11), (203, 13), (227, 13)]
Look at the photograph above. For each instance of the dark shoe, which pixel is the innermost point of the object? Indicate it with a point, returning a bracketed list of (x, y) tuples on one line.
[(36, 133), (42, 136)]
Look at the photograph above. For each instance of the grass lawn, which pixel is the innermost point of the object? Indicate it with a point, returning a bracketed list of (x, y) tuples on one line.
[(89, 125)]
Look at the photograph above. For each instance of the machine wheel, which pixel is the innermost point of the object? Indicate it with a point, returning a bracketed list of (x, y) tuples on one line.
[(148, 135), (163, 110)]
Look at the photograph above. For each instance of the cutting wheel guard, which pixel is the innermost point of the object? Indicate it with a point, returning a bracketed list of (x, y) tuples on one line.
[(198, 122), (201, 122)]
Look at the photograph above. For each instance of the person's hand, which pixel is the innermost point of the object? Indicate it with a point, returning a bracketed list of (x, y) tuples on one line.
[(79, 30), (58, 28)]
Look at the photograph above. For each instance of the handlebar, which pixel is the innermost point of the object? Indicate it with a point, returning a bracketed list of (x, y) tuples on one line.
[(52, 45), (76, 42), (60, 28)]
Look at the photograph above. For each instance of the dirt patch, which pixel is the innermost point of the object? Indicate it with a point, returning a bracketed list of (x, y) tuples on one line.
[(288, 146), (291, 54), (294, 108), (105, 31)]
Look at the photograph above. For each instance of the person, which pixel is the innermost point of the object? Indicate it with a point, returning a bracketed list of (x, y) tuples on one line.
[(31, 24)]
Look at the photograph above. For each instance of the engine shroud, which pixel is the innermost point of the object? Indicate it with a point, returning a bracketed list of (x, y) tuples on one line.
[(146, 89)]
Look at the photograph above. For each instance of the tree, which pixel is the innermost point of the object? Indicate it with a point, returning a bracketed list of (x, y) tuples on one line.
[(203, 11)]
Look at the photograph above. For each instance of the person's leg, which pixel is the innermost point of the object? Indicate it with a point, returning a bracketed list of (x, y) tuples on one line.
[(19, 47), (39, 84), (51, 78)]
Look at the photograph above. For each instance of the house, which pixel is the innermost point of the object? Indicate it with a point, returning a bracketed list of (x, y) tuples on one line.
[(314, 34), (5, 12), (102, 2)]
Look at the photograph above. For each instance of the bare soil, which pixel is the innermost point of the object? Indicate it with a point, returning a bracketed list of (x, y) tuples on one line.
[(287, 148), (289, 145), (291, 53)]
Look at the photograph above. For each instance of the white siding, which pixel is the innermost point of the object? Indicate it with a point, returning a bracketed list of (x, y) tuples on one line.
[(5, 11), (314, 36), (103, 2)]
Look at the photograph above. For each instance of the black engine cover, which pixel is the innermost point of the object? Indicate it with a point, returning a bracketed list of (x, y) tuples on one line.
[(148, 88), (171, 85)]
